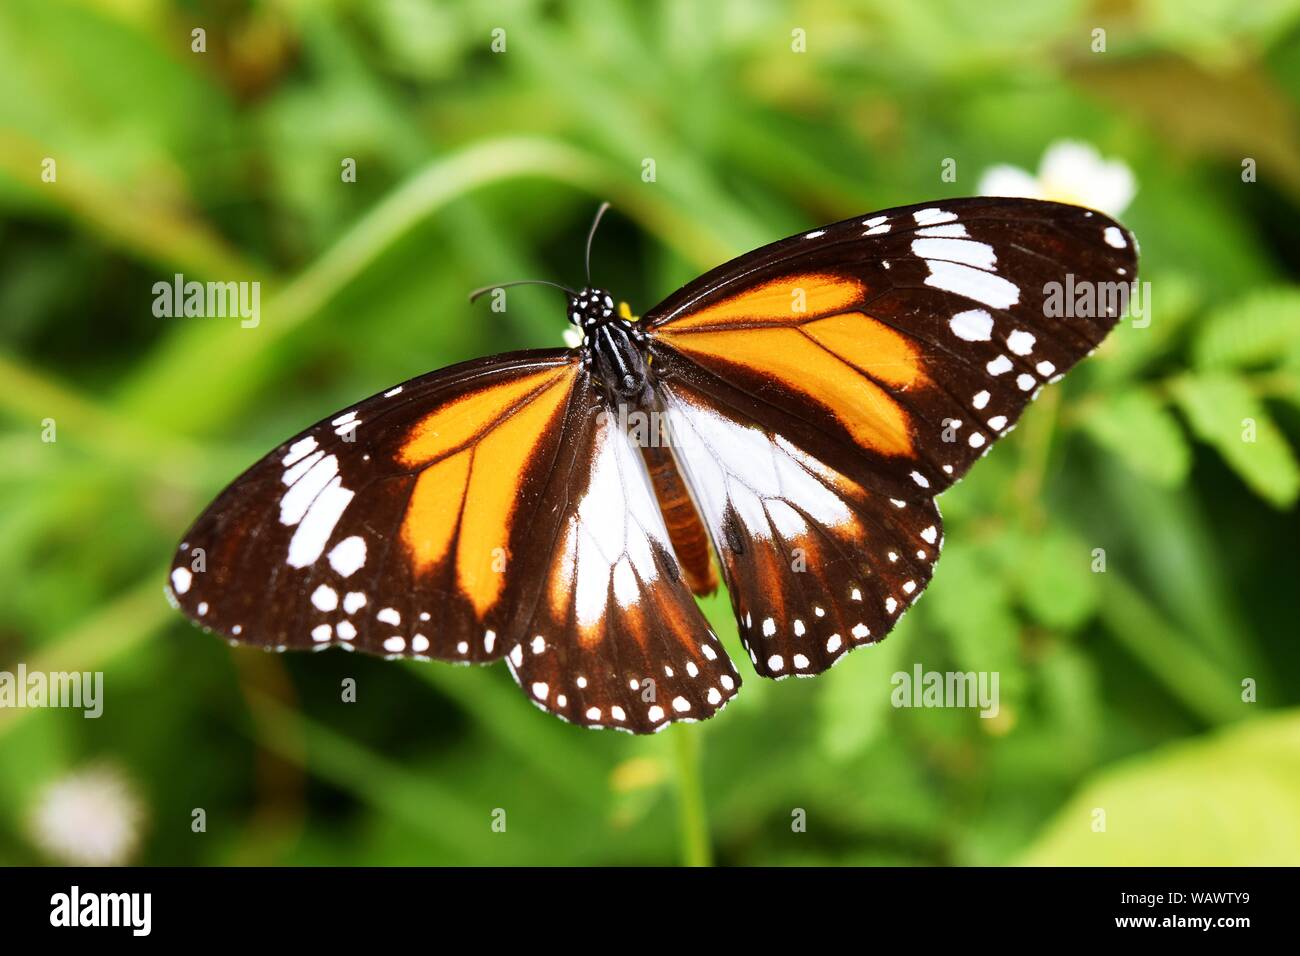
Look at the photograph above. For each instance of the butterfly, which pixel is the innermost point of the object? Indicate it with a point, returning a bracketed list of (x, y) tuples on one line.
[(783, 423)]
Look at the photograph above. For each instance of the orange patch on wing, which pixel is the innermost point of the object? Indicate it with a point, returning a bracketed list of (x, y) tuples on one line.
[(495, 476), (873, 347), (434, 509), (471, 494), (812, 364), (790, 299), (472, 414)]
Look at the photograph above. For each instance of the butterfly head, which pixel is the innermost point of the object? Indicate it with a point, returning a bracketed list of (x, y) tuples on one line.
[(592, 307)]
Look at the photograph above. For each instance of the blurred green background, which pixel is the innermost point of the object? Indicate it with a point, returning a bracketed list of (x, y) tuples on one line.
[(1121, 690)]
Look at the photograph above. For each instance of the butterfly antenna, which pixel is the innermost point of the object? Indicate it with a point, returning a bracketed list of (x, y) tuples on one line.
[(592, 235), (505, 285)]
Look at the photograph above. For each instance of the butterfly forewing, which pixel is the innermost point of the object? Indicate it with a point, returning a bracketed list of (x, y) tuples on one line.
[(911, 339), (391, 527)]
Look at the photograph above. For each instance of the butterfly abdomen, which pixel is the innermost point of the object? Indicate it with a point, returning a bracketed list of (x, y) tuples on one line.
[(685, 529)]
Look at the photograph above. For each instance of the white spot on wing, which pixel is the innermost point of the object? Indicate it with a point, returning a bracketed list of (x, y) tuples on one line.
[(953, 230), (933, 216), (973, 325), (968, 251), (1021, 342), (348, 556), (298, 450), (325, 598), (993, 290), (317, 525)]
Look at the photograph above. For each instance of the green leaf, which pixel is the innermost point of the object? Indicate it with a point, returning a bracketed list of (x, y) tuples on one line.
[(1256, 330), (1057, 584), (970, 603), (1143, 434), (853, 703), (1224, 800), (1224, 413)]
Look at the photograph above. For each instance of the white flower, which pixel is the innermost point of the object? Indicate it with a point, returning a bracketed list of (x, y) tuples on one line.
[(90, 817), (1070, 172)]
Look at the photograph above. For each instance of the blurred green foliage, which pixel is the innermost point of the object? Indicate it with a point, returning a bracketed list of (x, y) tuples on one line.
[(1121, 689)]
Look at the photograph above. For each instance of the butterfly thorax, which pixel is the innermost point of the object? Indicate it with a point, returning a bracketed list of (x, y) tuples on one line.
[(615, 346)]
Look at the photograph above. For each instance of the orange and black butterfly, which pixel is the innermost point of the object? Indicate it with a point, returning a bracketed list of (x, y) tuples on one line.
[(786, 420)]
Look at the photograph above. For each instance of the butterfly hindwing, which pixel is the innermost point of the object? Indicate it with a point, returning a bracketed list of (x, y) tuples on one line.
[(615, 638), (815, 564)]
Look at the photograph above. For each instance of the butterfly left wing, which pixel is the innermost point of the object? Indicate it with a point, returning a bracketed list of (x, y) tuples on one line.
[(486, 510), (889, 352)]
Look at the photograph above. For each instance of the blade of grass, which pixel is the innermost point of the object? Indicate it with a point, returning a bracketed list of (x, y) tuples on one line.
[(547, 746), (1171, 658), (227, 364), (32, 396), (154, 232), (418, 802), (692, 818)]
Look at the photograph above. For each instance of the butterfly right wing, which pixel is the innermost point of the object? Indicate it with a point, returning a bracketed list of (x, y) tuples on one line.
[(824, 389)]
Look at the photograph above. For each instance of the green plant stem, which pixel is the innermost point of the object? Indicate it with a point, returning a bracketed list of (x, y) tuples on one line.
[(692, 820)]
